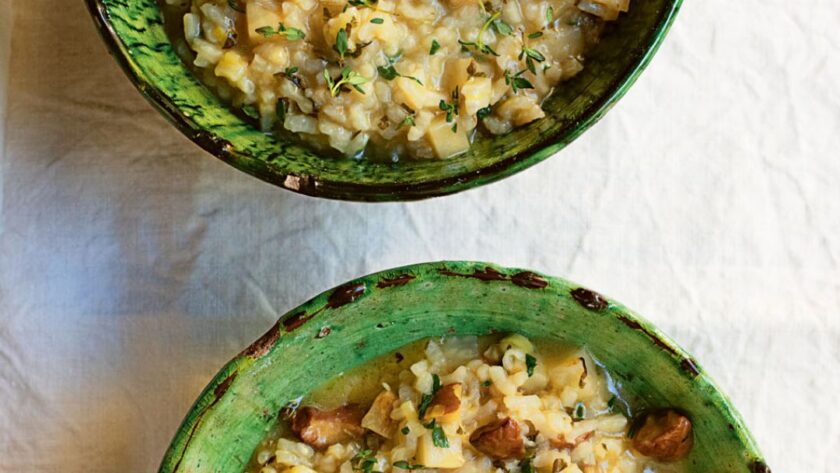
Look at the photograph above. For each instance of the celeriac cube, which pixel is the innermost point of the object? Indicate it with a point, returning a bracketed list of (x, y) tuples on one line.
[(436, 457), (444, 141), (415, 95), (260, 14), (476, 92)]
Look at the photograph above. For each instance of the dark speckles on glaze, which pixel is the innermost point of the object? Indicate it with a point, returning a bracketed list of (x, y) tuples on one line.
[(589, 299), (264, 343), (296, 320), (525, 279), (759, 466), (346, 294), (486, 274), (400, 280), (690, 367), (529, 280), (635, 325), (222, 388), (341, 296), (218, 392)]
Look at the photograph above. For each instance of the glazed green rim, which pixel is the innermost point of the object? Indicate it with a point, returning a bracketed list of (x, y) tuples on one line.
[(301, 333), (310, 183)]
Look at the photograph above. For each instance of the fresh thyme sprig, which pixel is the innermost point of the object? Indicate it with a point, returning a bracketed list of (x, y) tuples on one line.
[(291, 34), (348, 77)]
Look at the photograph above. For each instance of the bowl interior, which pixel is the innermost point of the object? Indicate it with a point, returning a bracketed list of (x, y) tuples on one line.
[(382, 312), (135, 34)]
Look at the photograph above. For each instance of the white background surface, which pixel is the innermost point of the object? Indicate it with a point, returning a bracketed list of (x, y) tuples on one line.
[(132, 265)]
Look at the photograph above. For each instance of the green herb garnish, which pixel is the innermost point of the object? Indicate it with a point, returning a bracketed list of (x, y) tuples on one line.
[(438, 435), (535, 35), (611, 403), (407, 121), (486, 383), (291, 34), (377, 21), (348, 77), (363, 3), (405, 430), (502, 27), (525, 466), (426, 400), (549, 15), (530, 364), (479, 43), (531, 55), (340, 45), (434, 48), (452, 108), (407, 466), (389, 72), (516, 82), (364, 461)]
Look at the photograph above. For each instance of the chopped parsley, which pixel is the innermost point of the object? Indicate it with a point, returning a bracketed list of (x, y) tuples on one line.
[(290, 71), (535, 35), (486, 383), (348, 77), (579, 413), (438, 435), (530, 364), (435, 47), (426, 400), (291, 34), (377, 21), (405, 430), (525, 466), (516, 82), (407, 466), (549, 15)]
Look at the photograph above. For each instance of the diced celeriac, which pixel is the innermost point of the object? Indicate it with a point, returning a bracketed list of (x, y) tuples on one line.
[(477, 93), (444, 141), (261, 14), (415, 95), (437, 457)]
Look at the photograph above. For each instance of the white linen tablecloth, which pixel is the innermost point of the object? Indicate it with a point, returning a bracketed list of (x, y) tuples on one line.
[(132, 265)]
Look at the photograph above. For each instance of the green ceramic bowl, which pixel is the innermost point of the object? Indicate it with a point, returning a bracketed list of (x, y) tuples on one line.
[(376, 314), (135, 35)]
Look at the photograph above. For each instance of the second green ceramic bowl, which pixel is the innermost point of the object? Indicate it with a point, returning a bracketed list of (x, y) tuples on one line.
[(376, 314), (135, 35)]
